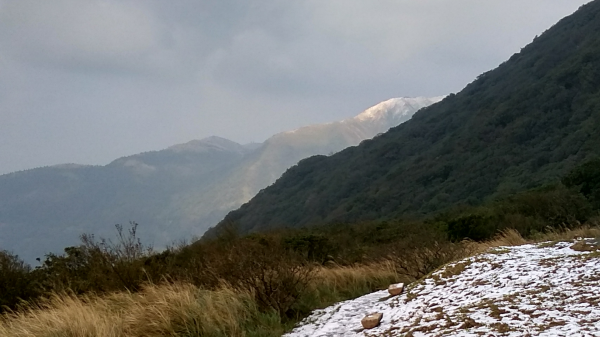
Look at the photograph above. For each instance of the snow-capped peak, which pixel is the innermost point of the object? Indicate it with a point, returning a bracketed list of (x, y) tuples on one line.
[(395, 107), (378, 118)]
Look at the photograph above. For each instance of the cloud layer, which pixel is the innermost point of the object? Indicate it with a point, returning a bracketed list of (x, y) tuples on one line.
[(89, 81)]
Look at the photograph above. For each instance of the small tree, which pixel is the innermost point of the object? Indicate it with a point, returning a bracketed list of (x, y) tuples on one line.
[(16, 282), (275, 275), (98, 265), (586, 178)]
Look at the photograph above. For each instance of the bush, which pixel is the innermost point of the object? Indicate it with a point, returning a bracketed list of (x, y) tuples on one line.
[(550, 207), (553, 206), (313, 247), (16, 282), (275, 275), (97, 265), (418, 261), (586, 179), (471, 226)]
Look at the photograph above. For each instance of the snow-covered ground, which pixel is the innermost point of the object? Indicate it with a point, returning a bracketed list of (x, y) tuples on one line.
[(543, 289)]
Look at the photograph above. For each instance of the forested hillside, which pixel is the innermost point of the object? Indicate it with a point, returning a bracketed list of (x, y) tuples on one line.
[(516, 127)]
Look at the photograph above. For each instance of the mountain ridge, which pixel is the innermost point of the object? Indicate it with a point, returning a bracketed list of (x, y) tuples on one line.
[(172, 193), (521, 125)]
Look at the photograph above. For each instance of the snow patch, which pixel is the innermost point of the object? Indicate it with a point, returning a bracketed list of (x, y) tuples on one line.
[(402, 106), (531, 290), (394, 111)]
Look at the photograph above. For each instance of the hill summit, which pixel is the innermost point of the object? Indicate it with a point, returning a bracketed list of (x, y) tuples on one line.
[(519, 126), (396, 108)]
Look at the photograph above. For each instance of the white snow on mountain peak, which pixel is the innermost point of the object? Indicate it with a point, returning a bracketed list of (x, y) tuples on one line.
[(395, 107), (390, 112)]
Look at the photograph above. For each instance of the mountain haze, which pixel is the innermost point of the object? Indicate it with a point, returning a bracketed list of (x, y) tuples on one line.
[(172, 193), (278, 153), (521, 125), (46, 209)]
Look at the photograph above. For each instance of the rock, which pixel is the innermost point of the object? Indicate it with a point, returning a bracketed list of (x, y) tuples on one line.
[(371, 320), (396, 289)]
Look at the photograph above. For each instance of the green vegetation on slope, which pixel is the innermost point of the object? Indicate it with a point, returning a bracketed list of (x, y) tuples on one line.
[(517, 127)]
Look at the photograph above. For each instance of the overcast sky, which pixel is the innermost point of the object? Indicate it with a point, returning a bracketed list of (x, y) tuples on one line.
[(88, 81)]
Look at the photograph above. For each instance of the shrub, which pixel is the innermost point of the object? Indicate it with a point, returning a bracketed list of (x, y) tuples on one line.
[(314, 247), (553, 206), (275, 275), (472, 226), (97, 265), (586, 178), (16, 283), (416, 262)]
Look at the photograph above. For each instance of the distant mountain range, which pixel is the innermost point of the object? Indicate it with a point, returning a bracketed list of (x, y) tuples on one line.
[(173, 193), (517, 127)]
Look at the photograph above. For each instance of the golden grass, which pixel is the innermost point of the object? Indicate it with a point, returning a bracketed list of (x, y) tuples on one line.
[(166, 310), (172, 310), (571, 234), (511, 237), (348, 277), (507, 237), (63, 315)]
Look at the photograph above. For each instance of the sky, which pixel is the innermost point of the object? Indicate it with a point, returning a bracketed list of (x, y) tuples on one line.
[(88, 81)]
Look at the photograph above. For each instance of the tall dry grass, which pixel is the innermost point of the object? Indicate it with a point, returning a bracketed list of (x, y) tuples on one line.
[(165, 310), (346, 277), (571, 234), (511, 237), (183, 309), (343, 282), (507, 237)]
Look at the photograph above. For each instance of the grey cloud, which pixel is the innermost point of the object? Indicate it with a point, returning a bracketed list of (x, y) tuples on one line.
[(66, 31), (115, 37), (346, 44), (88, 81)]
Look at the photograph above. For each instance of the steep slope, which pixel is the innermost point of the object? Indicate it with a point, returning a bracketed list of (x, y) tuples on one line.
[(201, 208), (173, 193), (516, 127), (278, 153), (532, 290)]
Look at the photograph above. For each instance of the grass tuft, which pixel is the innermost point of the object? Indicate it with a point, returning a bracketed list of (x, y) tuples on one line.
[(166, 310)]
